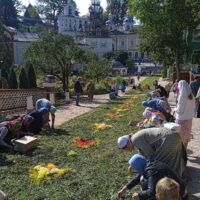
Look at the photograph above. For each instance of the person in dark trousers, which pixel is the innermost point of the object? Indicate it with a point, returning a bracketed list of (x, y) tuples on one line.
[(163, 92), (149, 172), (78, 90)]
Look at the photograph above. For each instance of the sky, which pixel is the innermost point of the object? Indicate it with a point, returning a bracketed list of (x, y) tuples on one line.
[(82, 5)]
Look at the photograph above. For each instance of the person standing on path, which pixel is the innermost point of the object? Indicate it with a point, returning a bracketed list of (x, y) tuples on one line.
[(90, 91), (194, 85), (78, 90), (123, 86), (185, 111)]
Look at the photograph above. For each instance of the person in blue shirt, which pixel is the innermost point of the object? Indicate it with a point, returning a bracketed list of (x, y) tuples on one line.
[(45, 103)]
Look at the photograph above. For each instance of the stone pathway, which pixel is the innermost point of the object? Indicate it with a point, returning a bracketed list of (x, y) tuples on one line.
[(193, 165)]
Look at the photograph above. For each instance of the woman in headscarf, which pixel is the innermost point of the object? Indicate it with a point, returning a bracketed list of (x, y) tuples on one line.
[(185, 111), (156, 143), (9, 132), (148, 174)]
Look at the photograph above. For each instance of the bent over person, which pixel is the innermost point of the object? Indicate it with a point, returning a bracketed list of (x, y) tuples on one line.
[(158, 144), (45, 103)]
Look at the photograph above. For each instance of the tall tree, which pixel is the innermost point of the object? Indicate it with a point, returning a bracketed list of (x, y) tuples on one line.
[(164, 24), (117, 9), (55, 54), (31, 17), (13, 80), (98, 68), (23, 80), (5, 55), (31, 76), (51, 9), (8, 13)]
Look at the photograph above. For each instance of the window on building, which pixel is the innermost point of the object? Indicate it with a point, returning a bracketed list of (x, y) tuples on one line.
[(130, 54), (122, 43), (132, 42), (70, 11), (142, 55)]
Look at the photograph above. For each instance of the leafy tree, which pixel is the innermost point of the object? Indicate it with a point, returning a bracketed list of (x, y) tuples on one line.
[(23, 80), (31, 77), (8, 13), (122, 57), (109, 55), (51, 9), (4, 73), (5, 56), (55, 54), (118, 10), (31, 17), (164, 24), (130, 64), (97, 68), (13, 80)]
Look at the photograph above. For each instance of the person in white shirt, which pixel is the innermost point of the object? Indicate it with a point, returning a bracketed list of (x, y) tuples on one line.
[(185, 111)]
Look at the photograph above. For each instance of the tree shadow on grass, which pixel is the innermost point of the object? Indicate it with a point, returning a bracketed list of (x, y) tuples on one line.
[(57, 132), (4, 161)]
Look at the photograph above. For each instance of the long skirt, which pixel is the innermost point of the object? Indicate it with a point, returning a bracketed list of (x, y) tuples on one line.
[(186, 127)]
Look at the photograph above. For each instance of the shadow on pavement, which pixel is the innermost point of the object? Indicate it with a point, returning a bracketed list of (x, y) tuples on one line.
[(194, 182)]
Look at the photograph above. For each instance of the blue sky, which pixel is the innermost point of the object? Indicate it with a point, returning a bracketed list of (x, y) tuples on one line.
[(81, 4)]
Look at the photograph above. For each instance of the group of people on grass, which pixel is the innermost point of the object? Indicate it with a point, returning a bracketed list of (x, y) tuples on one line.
[(32, 123), (161, 162)]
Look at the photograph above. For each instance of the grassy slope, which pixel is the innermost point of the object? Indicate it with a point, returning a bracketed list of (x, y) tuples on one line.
[(100, 170)]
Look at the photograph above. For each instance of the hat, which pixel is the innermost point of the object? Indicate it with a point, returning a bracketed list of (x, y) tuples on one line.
[(122, 141), (147, 113), (138, 162), (156, 118), (52, 109)]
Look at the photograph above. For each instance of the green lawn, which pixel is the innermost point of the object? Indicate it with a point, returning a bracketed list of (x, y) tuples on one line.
[(100, 171)]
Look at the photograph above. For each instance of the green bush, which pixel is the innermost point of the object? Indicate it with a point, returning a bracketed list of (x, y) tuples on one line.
[(23, 80), (12, 80), (31, 77)]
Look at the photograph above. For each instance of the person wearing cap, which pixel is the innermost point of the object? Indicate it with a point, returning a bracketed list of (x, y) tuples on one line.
[(45, 103), (149, 172), (9, 132), (156, 143)]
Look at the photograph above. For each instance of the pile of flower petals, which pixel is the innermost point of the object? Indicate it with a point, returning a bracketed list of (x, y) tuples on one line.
[(101, 126), (42, 172), (84, 143), (112, 115)]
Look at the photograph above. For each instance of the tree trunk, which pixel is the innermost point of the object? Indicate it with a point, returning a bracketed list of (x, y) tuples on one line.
[(177, 60), (64, 82)]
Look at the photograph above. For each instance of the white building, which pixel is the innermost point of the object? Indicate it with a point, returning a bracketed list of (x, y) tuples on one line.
[(70, 23), (20, 42)]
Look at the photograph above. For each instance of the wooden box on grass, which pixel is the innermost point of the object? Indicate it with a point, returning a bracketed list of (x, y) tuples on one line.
[(25, 143)]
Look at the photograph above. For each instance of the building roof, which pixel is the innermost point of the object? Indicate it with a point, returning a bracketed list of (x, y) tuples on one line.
[(26, 37)]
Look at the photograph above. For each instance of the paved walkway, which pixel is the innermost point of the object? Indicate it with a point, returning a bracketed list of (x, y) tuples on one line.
[(193, 165), (68, 112)]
